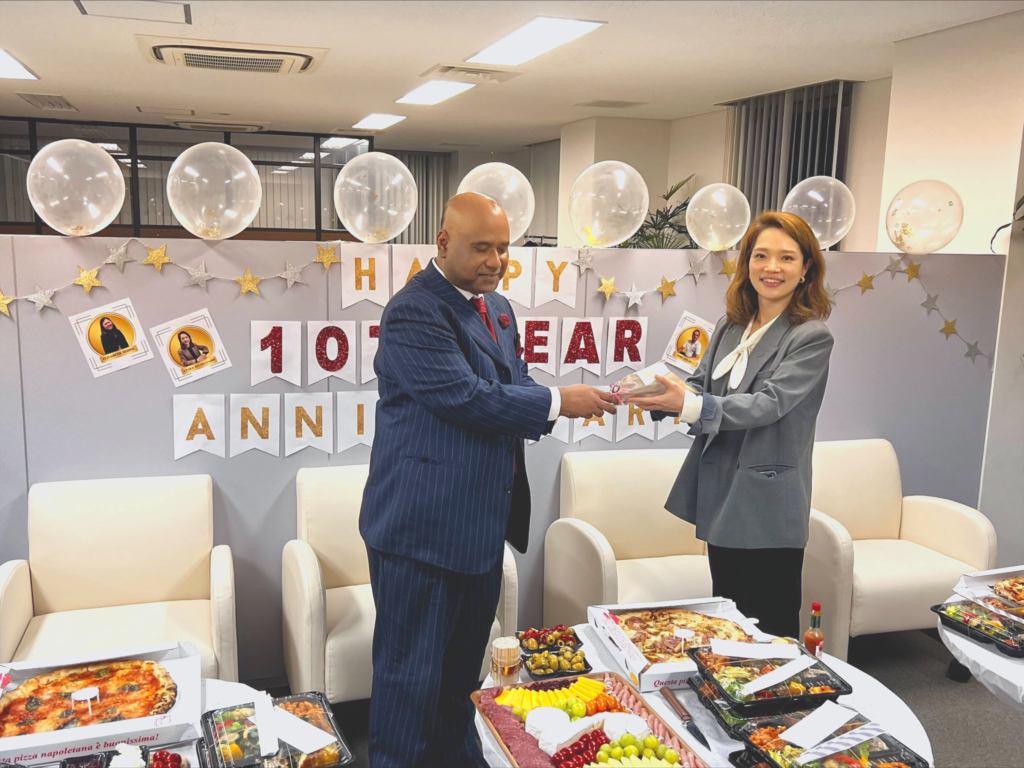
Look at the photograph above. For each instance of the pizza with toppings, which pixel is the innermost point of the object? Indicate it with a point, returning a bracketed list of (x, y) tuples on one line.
[(1011, 589), (127, 690), (653, 632)]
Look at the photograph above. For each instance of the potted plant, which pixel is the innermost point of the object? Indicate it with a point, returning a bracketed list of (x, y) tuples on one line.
[(665, 227)]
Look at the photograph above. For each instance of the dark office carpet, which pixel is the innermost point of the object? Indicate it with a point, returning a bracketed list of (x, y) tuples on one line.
[(968, 727)]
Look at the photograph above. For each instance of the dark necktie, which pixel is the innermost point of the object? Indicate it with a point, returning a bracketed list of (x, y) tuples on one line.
[(481, 307)]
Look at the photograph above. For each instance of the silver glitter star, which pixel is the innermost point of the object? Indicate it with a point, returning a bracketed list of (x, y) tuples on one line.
[(198, 275), (41, 299), (973, 351), (584, 261), (119, 255), (895, 266), (636, 298), (831, 293), (697, 268), (931, 303), (292, 274)]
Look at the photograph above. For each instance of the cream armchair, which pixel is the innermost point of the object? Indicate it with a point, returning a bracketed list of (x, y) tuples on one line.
[(116, 563), (328, 604), (877, 560), (614, 541)]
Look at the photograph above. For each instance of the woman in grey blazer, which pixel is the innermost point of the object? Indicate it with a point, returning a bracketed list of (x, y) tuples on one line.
[(753, 403)]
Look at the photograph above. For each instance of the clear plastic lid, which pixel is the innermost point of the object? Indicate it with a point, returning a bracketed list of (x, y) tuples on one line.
[(232, 740), (315, 710)]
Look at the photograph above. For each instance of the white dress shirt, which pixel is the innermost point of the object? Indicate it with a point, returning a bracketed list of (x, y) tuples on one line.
[(556, 396)]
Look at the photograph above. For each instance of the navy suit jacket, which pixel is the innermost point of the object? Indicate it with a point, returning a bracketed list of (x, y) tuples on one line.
[(454, 409)]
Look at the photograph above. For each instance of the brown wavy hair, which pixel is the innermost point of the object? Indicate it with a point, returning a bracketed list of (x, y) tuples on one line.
[(810, 301)]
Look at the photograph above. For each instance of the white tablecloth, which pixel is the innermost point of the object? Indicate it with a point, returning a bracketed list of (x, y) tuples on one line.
[(869, 697), (1003, 675)]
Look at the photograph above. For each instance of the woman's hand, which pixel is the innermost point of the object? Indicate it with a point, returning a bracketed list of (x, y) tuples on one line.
[(670, 402)]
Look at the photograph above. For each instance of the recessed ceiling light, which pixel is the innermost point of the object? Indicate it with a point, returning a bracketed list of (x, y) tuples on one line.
[(434, 92), (539, 36), (12, 69), (279, 171), (337, 142), (312, 156), (108, 146), (287, 167), (378, 122)]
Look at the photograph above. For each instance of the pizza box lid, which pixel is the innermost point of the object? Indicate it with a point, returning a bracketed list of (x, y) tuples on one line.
[(978, 585)]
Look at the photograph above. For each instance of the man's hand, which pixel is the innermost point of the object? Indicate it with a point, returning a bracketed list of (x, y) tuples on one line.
[(583, 402)]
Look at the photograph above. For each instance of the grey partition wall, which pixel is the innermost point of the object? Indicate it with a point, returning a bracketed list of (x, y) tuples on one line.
[(893, 375)]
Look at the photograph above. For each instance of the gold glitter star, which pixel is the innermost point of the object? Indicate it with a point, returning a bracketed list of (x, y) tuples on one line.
[(668, 288), (157, 257), (913, 270), (87, 279), (326, 256), (248, 283), (728, 268), (949, 328), (865, 283), (4, 301), (607, 288)]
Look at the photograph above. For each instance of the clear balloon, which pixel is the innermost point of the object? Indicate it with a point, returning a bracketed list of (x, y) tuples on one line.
[(510, 188), (826, 204), (608, 204), (717, 217), (375, 196), (75, 187), (214, 190), (924, 217)]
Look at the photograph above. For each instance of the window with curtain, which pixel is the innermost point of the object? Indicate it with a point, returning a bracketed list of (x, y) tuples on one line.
[(779, 139), (430, 170)]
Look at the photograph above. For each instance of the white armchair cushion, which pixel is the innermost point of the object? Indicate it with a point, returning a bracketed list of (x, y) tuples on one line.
[(329, 499), (828, 579), (222, 612), (304, 617), (676, 577), (896, 582), (857, 482), (101, 629), (579, 570), (161, 529), (954, 529), (15, 606)]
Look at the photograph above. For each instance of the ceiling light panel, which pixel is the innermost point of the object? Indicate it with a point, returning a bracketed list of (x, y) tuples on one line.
[(378, 121), (12, 69), (434, 92), (337, 142), (539, 36)]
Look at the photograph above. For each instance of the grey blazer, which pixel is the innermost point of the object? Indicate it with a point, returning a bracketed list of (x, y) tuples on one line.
[(746, 482)]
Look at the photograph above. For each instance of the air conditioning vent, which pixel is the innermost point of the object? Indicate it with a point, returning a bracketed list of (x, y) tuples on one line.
[(604, 104), (230, 57), (202, 125), (471, 73), (48, 102)]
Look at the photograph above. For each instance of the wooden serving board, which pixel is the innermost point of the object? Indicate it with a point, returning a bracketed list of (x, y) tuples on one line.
[(599, 676)]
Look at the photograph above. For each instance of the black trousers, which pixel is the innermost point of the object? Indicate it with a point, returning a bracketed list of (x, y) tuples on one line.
[(765, 584)]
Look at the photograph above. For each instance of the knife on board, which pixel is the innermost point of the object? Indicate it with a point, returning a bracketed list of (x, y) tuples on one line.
[(684, 715)]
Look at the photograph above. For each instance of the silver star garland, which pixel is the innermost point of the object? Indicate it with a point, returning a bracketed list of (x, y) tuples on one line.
[(292, 274), (895, 266), (697, 268), (636, 298), (119, 255), (41, 299), (198, 275), (931, 303), (584, 261), (831, 293), (973, 351)]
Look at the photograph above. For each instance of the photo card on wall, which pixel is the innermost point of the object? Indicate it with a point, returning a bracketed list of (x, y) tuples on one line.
[(111, 337), (688, 342), (190, 347)]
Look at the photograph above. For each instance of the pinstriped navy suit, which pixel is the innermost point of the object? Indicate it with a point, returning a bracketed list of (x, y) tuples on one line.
[(447, 486)]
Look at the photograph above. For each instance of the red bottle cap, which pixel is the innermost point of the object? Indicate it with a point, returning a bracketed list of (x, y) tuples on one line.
[(815, 606)]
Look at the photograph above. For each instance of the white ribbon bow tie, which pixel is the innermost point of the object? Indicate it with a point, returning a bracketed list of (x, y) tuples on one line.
[(735, 363)]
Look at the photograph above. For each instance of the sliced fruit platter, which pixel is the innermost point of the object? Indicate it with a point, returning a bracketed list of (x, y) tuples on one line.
[(545, 639), (589, 720)]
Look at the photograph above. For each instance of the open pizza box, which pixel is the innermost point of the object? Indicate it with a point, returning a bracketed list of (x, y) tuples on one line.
[(643, 674), (181, 722), (977, 586)]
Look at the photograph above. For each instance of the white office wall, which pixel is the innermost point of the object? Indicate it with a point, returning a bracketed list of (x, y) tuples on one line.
[(865, 162), (697, 145), (544, 177)]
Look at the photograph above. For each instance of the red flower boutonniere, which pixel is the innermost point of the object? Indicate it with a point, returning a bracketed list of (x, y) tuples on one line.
[(503, 321)]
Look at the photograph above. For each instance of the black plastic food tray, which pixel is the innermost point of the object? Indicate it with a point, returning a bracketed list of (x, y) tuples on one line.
[(1016, 651), (214, 756), (778, 704), (320, 700), (746, 759), (696, 683), (553, 648), (587, 669)]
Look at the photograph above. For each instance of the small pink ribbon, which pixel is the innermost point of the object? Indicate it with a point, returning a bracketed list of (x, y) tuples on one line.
[(614, 389)]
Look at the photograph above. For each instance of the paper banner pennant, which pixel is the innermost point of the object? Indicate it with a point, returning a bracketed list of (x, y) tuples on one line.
[(255, 423), (633, 420), (517, 284), (561, 430), (671, 425), (407, 261), (555, 277), (538, 337), (308, 421), (365, 274), (357, 418), (598, 426), (330, 350), (581, 344), (199, 425), (275, 351), (369, 332), (627, 344)]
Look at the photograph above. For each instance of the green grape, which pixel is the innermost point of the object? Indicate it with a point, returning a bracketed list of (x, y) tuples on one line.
[(627, 740), (601, 757), (579, 709), (660, 751), (672, 756), (651, 742), (648, 753), (616, 753), (630, 751), (605, 748)]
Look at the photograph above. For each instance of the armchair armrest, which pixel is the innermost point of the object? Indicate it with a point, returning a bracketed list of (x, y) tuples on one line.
[(305, 618), (828, 579), (222, 612), (508, 598), (579, 571), (15, 606), (951, 529)]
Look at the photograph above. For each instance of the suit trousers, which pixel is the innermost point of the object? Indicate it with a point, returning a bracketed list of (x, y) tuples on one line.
[(765, 584), (429, 641)]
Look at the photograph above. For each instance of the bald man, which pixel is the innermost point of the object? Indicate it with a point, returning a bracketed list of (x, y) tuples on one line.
[(448, 486)]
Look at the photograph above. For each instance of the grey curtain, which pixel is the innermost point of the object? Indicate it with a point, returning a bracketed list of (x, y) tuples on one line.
[(430, 170)]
